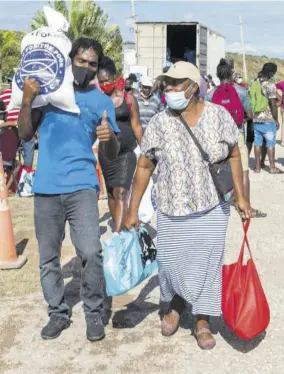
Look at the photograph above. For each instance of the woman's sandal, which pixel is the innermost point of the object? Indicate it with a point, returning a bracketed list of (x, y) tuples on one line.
[(170, 323), (256, 171), (258, 214), (205, 344), (275, 171)]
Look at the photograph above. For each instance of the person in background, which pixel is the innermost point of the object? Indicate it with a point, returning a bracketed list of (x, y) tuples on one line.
[(211, 83), (266, 123), (66, 187), (250, 140), (190, 55), (225, 75), (3, 123), (163, 99), (232, 64), (118, 173), (134, 79), (191, 220), (203, 88), (250, 132), (169, 62), (280, 86), (149, 102), (239, 80), (159, 89), (129, 84), (5, 96), (12, 118)]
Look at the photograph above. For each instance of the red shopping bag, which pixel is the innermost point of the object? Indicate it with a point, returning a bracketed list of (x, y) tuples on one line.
[(244, 305)]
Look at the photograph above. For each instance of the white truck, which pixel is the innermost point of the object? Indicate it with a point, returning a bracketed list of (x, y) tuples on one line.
[(154, 38)]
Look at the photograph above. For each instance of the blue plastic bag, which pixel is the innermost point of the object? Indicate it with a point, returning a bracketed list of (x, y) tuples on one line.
[(128, 260)]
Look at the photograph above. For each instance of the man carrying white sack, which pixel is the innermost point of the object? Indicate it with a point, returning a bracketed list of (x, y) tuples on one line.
[(45, 57), (66, 187)]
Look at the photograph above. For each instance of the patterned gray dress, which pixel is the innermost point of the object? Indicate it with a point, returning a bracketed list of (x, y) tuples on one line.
[(192, 223)]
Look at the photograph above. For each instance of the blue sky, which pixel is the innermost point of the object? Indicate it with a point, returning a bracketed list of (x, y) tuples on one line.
[(263, 20)]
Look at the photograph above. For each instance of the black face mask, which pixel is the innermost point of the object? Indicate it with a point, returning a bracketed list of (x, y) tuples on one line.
[(127, 89), (82, 76)]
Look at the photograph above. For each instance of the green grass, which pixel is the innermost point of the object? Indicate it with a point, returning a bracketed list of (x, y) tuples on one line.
[(255, 63)]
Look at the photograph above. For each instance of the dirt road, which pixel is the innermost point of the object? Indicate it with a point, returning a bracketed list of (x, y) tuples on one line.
[(139, 347)]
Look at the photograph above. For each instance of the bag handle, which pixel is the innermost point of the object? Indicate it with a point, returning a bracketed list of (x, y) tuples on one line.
[(246, 226), (204, 155), (196, 142)]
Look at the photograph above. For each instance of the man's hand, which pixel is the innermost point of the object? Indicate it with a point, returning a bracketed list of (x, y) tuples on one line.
[(104, 132), (31, 89)]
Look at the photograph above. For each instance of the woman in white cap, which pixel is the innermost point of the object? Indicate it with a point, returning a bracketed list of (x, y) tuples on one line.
[(149, 103), (192, 215)]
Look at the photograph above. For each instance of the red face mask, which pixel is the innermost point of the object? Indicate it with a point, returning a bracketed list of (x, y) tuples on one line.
[(107, 88)]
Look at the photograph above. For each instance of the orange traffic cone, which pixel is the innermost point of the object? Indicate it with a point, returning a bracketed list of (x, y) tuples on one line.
[(8, 253)]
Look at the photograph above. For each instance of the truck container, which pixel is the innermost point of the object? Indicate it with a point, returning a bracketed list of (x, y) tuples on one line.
[(154, 38)]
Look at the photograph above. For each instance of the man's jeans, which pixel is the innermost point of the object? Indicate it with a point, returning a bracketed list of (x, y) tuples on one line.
[(80, 209), (29, 150)]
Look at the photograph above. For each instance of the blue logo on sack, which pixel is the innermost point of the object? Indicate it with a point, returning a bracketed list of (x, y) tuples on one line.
[(43, 62)]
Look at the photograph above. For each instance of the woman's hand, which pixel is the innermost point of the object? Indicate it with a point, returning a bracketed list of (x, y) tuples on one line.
[(131, 220), (244, 209)]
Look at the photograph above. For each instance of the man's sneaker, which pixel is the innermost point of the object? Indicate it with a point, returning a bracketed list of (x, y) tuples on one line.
[(54, 327), (95, 327), (105, 316)]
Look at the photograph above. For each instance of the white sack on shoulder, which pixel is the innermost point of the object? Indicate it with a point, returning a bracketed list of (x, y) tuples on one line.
[(55, 20), (45, 57)]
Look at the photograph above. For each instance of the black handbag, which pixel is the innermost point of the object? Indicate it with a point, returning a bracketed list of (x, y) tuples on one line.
[(221, 172)]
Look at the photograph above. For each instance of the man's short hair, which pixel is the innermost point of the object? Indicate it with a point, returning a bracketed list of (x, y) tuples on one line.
[(86, 43)]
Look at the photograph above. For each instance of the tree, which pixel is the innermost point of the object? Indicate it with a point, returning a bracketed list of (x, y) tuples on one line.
[(87, 19), (10, 53)]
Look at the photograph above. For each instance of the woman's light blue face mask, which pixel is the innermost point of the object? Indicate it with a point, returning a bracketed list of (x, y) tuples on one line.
[(177, 100)]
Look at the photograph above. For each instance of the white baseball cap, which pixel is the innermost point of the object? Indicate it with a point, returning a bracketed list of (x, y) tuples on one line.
[(183, 70), (146, 81)]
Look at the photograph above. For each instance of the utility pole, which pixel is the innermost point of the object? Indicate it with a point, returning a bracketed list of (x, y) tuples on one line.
[(133, 15), (244, 51), (133, 9), (134, 26)]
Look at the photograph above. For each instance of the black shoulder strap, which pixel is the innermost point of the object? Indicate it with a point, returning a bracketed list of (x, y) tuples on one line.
[(196, 142)]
